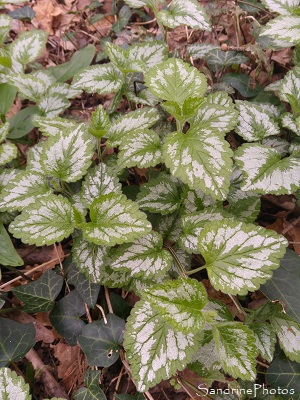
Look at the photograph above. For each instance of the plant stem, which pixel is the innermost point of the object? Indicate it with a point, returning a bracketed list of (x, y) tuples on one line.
[(180, 266), (178, 125), (194, 271)]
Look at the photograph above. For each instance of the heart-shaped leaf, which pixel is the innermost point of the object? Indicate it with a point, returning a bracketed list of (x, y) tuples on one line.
[(239, 256), (15, 340), (101, 340), (39, 295)]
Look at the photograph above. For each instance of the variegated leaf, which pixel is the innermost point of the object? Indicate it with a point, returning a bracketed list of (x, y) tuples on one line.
[(149, 53), (290, 122), (211, 115), (215, 311), (143, 258), (254, 123), (63, 89), (284, 7), (207, 353), (201, 158), (100, 79), (23, 190), (169, 227), (236, 347), (175, 80), (122, 128), (4, 131), (45, 75), (53, 104), (98, 181), (7, 175), (243, 205), (28, 86), (119, 58), (181, 261), (285, 28), (239, 257), (50, 219), (188, 13), (159, 195), (195, 200), (141, 149), (28, 46), (68, 157), (34, 157), (115, 220), (139, 3), (192, 224), (218, 58), (5, 26), (53, 126), (89, 258), (288, 333), (99, 123), (183, 111), (265, 339), (264, 172), (8, 151), (179, 303), (12, 386), (154, 349), (277, 143), (201, 50), (289, 89)]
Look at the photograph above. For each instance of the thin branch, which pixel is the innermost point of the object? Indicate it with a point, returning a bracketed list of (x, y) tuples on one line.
[(41, 266), (107, 298), (103, 313), (52, 387)]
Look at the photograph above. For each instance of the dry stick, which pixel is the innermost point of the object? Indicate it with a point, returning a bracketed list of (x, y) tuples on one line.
[(32, 270), (107, 298), (52, 387), (291, 225), (119, 380), (103, 313), (87, 311), (183, 387), (145, 23)]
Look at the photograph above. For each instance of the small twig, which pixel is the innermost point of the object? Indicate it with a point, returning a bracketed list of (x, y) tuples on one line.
[(119, 380), (107, 298), (255, 6), (102, 312), (291, 225), (178, 380), (87, 311), (52, 387), (61, 267), (32, 270), (144, 23), (262, 364), (237, 305)]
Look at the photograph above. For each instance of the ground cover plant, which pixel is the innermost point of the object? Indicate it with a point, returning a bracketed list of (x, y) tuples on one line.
[(149, 181)]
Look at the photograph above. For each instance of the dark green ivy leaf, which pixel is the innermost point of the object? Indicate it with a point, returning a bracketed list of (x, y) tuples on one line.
[(39, 295), (15, 340), (8, 254), (23, 13), (92, 390), (285, 284), (87, 290), (65, 317), (100, 341)]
